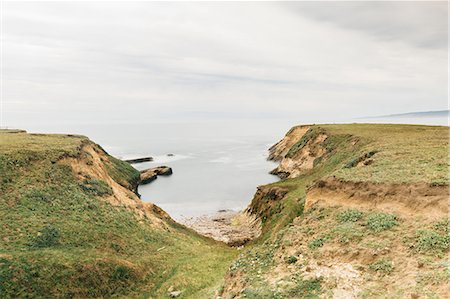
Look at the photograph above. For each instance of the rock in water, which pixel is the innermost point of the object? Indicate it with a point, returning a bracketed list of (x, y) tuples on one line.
[(148, 176), (151, 174), (139, 160)]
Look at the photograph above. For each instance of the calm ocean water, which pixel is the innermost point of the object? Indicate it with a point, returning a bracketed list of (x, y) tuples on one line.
[(216, 165)]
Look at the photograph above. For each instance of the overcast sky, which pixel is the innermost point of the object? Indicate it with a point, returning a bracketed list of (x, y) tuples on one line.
[(120, 61)]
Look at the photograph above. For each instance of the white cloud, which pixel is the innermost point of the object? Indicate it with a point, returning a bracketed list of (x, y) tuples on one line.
[(154, 61)]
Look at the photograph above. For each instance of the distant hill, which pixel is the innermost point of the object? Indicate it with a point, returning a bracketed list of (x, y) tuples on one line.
[(425, 114)]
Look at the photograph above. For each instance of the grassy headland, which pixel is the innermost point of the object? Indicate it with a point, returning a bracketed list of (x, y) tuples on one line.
[(72, 227), (361, 212)]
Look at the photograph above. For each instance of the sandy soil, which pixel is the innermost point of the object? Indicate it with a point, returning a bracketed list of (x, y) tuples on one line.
[(231, 227)]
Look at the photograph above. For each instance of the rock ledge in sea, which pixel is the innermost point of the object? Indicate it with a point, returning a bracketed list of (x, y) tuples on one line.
[(139, 160), (151, 174)]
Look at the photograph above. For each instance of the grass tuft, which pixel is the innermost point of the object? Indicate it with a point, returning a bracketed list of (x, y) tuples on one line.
[(428, 241), (291, 259), (349, 215), (48, 237), (318, 242), (382, 266), (380, 221), (310, 288), (96, 187)]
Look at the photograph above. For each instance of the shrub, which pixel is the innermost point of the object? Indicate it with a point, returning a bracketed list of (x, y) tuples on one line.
[(291, 259), (354, 162), (350, 215), (38, 195), (347, 232), (96, 187), (382, 266), (310, 288), (317, 161), (260, 293), (428, 241), (47, 237), (381, 221), (442, 226), (318, 242)]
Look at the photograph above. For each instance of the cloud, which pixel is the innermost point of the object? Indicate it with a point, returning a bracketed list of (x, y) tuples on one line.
[(420, 23), (167, 61)]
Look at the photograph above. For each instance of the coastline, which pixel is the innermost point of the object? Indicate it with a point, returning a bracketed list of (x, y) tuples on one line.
[(228, 226)]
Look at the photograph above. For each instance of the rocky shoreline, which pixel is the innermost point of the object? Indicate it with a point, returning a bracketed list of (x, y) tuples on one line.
[(231, 227)]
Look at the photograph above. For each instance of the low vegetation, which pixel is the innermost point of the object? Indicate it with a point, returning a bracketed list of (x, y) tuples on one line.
[(378, 222), (356, 251), (341, 248), (349, 215), (382, 266), (61, 237)]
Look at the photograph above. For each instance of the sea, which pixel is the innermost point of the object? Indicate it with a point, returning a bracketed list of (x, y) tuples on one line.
[(217, 165)]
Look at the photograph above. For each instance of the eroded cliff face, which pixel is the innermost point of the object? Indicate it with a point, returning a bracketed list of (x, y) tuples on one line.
[(93, 164), (300, 150), (343, 223)]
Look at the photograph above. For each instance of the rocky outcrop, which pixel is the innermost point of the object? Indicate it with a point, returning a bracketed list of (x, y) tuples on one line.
[(266, 201), (279, 150), (300, 150), (139, 160), (151, 174)]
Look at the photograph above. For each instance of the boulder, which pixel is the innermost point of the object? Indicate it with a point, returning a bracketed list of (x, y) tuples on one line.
[(163, 170), (148, 176), (151, 174)]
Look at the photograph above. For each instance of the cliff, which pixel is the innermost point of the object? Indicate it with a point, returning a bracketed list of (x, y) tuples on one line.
[(73, 226), (361, 212)]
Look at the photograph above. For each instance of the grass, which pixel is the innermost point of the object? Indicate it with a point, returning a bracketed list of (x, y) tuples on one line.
[(382, 266), (291, 259), (309, 288), (348, 232), (391, 154), (60, 240), (349, 215), (431, 242), (378, 222), (96, 187), (48, 237), (405, 153), (318, 242)]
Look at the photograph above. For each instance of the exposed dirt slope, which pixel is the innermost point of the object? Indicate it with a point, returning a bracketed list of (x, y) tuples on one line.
[(361, 212), (405, 200), (91, 163)]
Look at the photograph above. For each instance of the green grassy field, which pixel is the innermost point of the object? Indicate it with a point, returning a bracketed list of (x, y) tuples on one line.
[(60, 240)]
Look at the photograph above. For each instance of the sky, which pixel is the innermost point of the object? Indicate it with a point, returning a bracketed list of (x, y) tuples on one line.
[(119, 62)]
